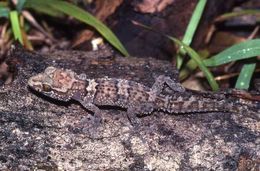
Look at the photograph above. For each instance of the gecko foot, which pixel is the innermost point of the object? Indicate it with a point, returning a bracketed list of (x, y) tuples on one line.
[(91, 126), (132, 113), (135, 131)]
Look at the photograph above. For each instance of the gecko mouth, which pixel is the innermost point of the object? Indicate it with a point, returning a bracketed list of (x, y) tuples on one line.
[(35, 88)]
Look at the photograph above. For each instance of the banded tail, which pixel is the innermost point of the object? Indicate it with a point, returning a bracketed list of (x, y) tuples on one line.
[(194, 104)]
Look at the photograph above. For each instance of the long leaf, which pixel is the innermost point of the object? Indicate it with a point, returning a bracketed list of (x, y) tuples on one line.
[(85, 17), (245, 76), (4, 12), (16, 26), (191, 28), (43, 7), (195, 56), (191, 65), (192, 53), (20, 5), (230, 15), (244, 50)]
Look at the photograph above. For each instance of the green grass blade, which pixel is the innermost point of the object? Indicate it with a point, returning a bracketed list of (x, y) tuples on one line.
[(85, 17), (191, 28), (195, 56), (194, 21), (4, 12), (230, 15), (20, 5), (244, 50), (191, 65), (43, 7), (16, 26), (245, 76)]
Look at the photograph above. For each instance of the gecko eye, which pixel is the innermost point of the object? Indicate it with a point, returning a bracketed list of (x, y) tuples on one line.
[(46, 87)]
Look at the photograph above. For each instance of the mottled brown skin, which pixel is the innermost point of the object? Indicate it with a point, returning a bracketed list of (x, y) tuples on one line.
[(64, 85)]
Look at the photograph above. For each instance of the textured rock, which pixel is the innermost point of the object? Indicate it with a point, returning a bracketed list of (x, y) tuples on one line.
[(40, 133)]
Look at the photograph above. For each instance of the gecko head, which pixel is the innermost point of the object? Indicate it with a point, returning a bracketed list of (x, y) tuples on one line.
[(60, 84)]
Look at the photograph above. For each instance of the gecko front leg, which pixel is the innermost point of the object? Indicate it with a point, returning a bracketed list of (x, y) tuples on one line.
[(139, 110), (93, 108), (92, 127), (132, 112), (157, 87), (88, 103)]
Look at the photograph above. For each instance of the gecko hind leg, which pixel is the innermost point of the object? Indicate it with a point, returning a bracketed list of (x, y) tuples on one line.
[(157, 87)]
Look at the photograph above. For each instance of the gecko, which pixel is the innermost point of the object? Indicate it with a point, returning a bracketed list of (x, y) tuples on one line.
[(138, 99)]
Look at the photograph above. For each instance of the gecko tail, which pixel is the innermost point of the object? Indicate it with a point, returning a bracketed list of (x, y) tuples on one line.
[(195, 104)]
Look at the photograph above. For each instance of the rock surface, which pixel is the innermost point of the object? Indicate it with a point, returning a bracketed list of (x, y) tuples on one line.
[(40, 133)]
